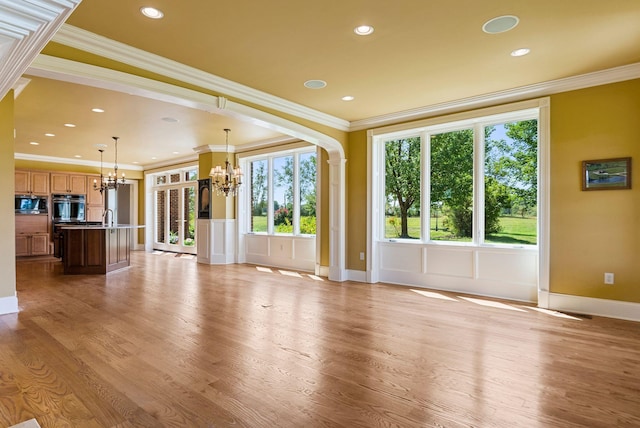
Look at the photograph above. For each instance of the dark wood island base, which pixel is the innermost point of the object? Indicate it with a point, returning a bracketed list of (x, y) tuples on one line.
[(96, 250)]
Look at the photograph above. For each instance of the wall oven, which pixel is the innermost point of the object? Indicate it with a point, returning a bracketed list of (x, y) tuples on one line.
[(68, 208)]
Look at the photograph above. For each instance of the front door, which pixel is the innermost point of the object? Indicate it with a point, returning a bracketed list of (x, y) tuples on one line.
[(175, 214)]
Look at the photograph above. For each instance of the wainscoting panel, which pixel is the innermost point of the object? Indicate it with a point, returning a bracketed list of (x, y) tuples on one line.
[(501, 272), (403, 258), (516, 267), (450, 261), (291, 252)]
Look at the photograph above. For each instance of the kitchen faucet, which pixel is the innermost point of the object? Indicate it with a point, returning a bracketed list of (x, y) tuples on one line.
[(104, 217)]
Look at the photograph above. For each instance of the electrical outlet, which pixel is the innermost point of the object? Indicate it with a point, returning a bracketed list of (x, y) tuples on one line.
[(362, 256), (608, 278)]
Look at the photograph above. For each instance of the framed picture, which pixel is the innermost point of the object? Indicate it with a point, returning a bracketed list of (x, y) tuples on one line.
[(204, 198), (606, 174)]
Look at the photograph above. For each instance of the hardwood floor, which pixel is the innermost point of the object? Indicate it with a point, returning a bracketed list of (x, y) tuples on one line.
[(169, 342)]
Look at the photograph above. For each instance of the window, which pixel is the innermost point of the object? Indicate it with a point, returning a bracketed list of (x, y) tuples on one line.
[(283, 193), (478, 177)]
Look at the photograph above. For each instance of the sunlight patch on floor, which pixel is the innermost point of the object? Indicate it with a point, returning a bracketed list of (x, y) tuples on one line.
[(263, 269), (492, 304), (555, 313), (289, 273), (315, 277), (433, 295)]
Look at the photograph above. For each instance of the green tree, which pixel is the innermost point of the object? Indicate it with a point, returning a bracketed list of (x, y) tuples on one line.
[(514, 163), (452, 178), (283, 176), (402, 177), (307, 179), (258, 187)]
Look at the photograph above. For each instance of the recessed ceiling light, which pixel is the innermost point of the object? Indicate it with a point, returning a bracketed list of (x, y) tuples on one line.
[(77, 156), (170, 119), (176, 153), (348, 98), (97, 110), (500, 24), (363, 30), (151, 12), (136, 162), (50, 135), (520, 52), (33, 143), (315, 84), (154, 158), (101, 146), (69, 125)]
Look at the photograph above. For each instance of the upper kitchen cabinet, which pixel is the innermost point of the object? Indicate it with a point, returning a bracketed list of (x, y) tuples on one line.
[(68, 183), (31, 182)]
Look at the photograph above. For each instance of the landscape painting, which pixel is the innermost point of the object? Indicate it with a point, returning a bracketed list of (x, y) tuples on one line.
[(606, 174)]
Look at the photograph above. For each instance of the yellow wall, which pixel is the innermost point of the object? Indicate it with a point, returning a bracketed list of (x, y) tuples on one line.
[(7, 225), (595, 231), (356, 200)]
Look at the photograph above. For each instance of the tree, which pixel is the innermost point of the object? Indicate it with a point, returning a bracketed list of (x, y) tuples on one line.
[(307, 180), (283, 177), (258, 187), (452, 178), (402, 177), (514, 163)]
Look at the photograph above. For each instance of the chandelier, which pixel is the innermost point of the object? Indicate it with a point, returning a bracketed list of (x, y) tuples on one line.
[(111, 181), (226, 180)]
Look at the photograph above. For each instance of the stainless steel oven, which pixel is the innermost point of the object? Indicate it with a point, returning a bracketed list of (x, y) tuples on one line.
[(68, 208)]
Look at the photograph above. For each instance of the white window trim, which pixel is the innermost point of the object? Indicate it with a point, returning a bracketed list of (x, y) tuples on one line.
[(246, 202), (498, 114)]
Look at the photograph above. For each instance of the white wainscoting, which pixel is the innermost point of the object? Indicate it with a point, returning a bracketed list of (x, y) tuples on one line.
[(216, 241), (291, 252), (511, 273)]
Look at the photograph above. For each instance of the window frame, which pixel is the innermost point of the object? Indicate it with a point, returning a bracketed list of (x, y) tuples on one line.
[(269, 157), (425, 129)]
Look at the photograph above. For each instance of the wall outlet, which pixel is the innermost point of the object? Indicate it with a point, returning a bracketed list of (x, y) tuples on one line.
[(362, 255), (608, 278)]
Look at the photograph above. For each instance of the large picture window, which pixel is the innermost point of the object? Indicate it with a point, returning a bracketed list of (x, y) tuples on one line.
[(283, 193), (479, 179)]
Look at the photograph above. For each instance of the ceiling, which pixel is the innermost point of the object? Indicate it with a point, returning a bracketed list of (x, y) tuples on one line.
[(421, 53)]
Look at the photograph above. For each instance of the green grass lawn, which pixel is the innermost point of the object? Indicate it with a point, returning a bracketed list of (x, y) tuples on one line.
[(515, 230)]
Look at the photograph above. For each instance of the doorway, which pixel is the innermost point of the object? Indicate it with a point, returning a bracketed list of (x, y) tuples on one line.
[(174, 220)]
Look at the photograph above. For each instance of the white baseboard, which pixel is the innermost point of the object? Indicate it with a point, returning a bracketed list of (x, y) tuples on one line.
[(356, 275), (8, 305), (592, 306)]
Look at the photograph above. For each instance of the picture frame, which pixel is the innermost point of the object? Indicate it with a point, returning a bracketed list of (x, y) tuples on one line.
[(204, 198), (606, 174)]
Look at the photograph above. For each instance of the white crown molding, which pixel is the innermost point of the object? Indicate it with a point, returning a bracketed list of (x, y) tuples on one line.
[(25, 28), (170, 162), (80, 39), (613, 75), (83, 162)]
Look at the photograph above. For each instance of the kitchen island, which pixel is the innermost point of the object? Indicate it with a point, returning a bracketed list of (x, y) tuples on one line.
[(96, 249)]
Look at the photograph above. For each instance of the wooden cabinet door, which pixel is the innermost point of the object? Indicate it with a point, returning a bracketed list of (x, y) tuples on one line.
[(93, 213), (94, 197), (22, 182), (22, 245), (78, 184), (39, 245), (59, 183), (40, 182)]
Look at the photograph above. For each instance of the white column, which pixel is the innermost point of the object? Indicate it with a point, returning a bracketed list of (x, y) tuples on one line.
[(337, 271)]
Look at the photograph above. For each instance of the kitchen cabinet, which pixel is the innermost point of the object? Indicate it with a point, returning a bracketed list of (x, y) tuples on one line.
[(68, 183), (36, 244), (95, 201), (32, 235), (31, 182)]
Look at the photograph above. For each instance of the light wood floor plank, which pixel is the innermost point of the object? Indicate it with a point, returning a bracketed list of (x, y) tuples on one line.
[(170, 342)]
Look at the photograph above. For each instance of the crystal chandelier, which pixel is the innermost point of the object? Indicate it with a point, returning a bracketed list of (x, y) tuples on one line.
[(111, 181), (226, 180)]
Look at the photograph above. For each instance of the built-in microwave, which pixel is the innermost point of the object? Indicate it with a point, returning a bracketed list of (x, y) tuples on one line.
[(33, 205)]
